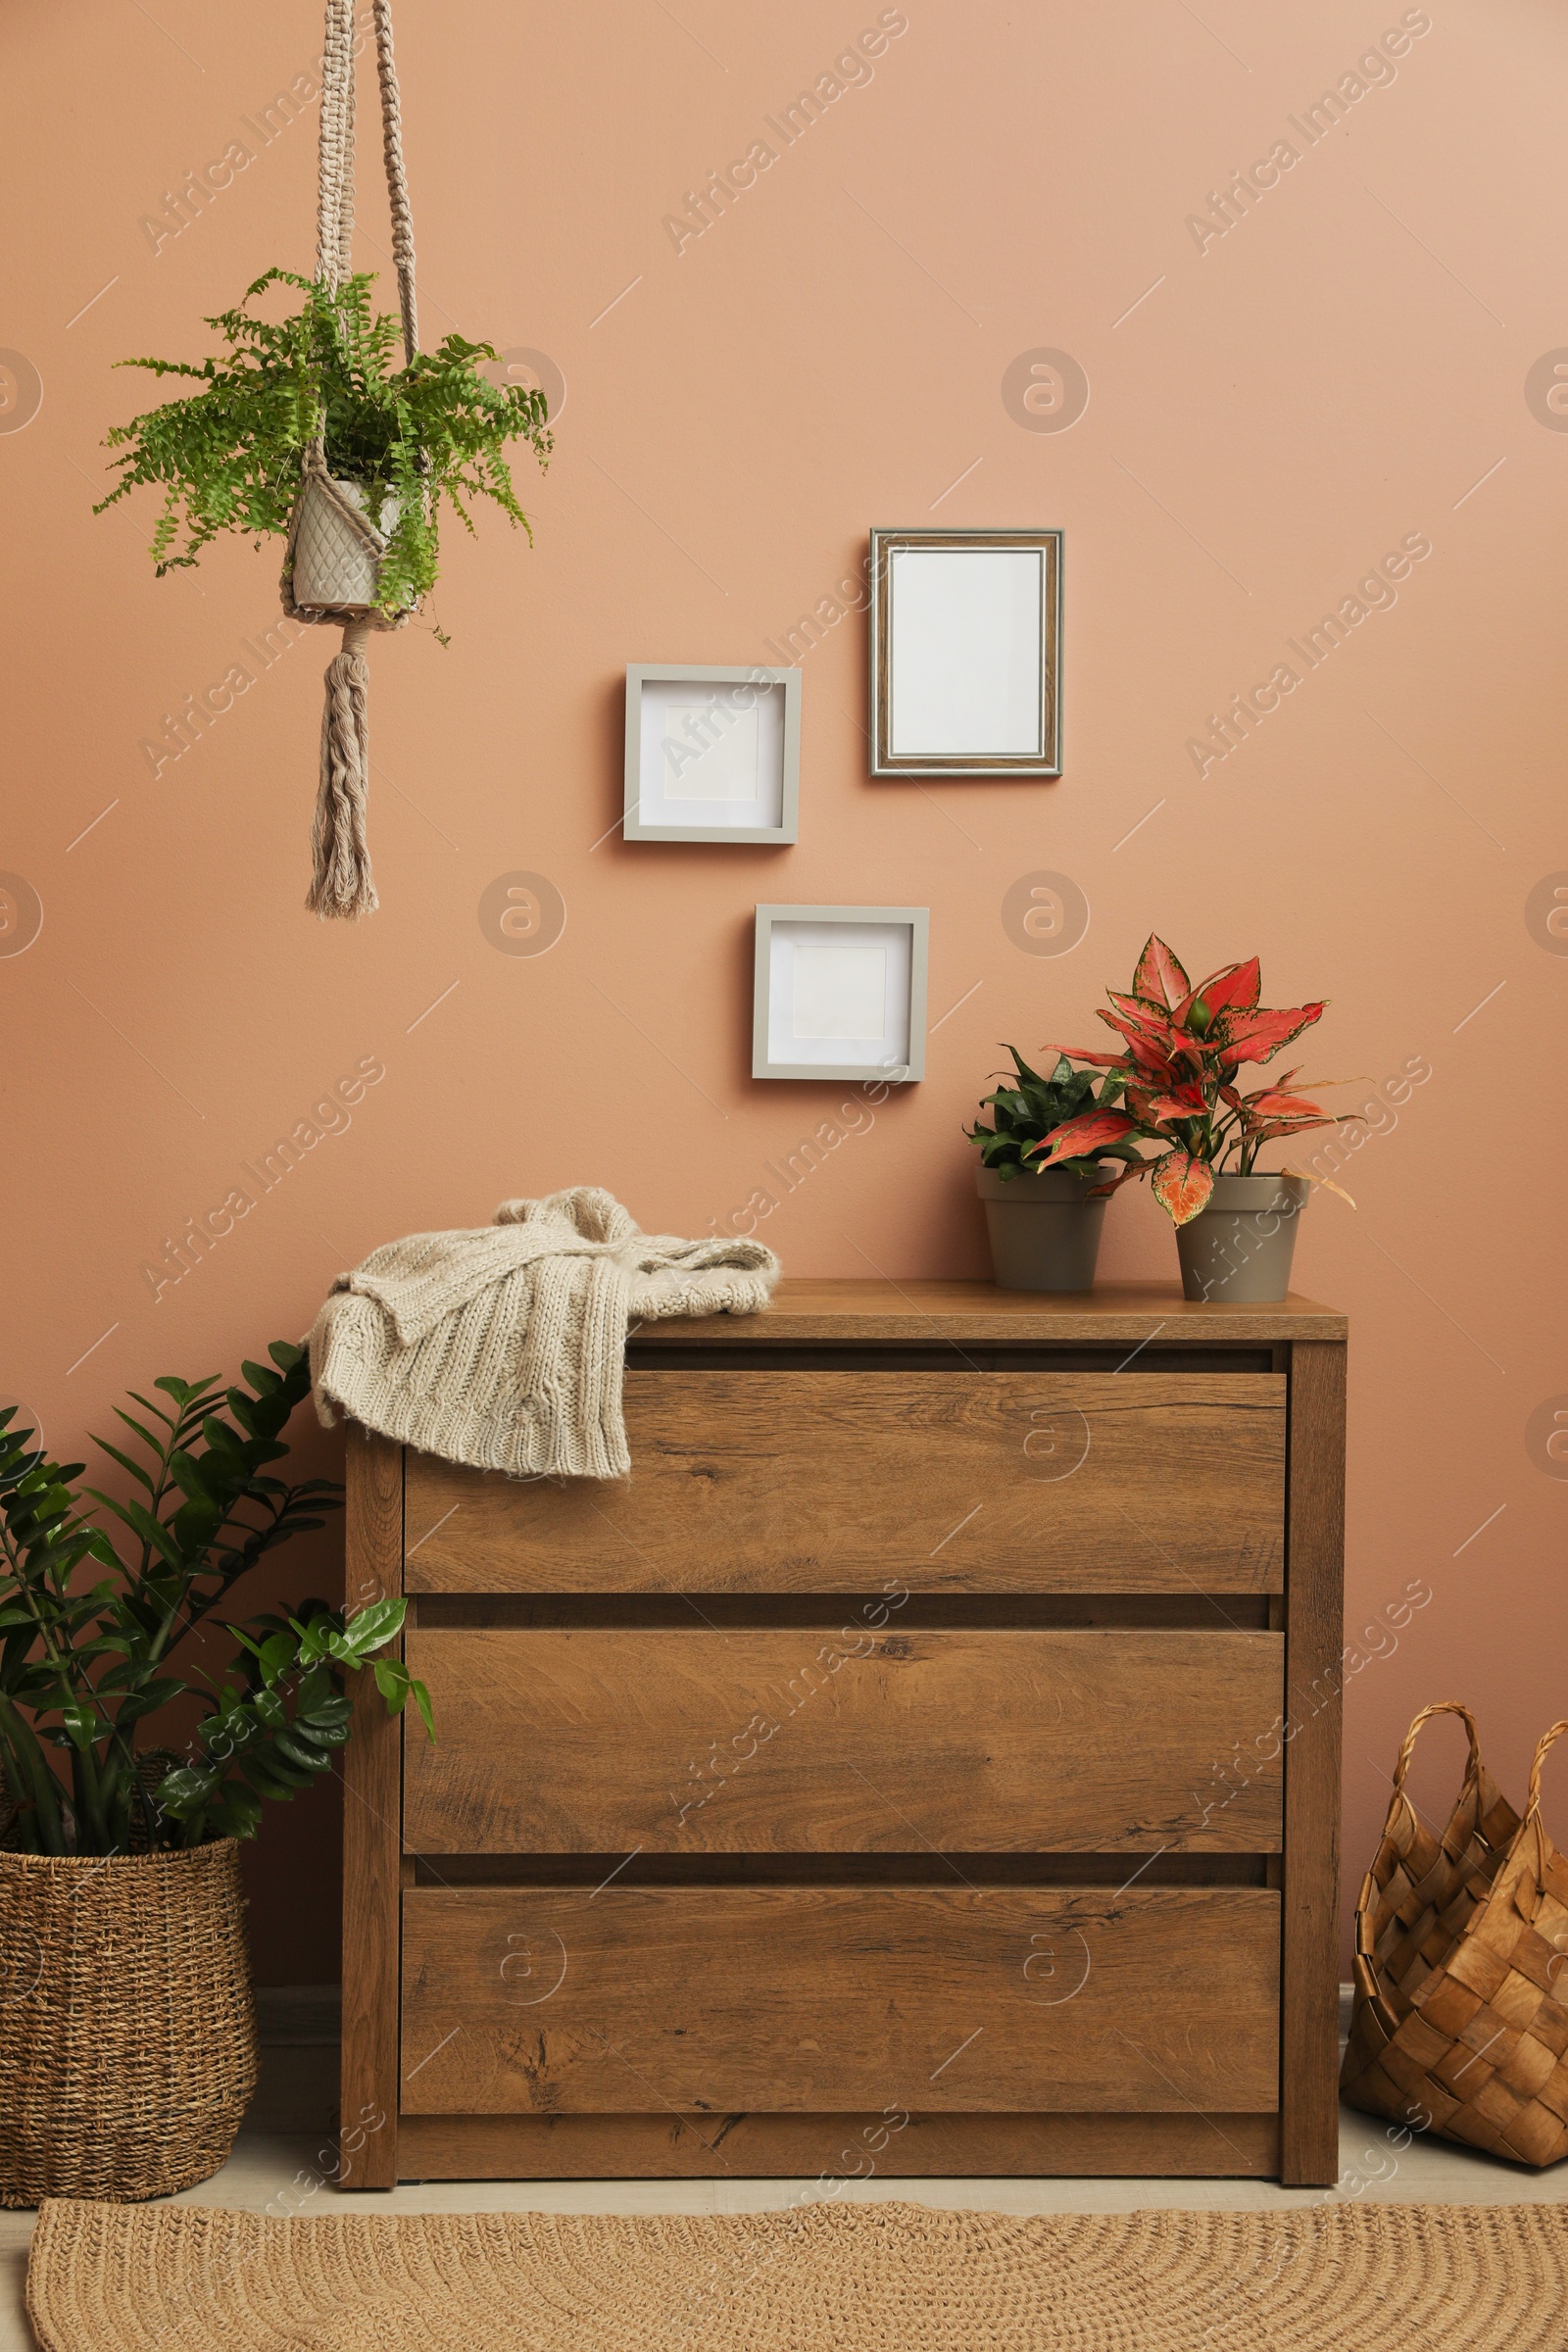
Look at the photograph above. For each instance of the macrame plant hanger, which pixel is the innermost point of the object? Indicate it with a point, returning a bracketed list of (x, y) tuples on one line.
[(334, 547)]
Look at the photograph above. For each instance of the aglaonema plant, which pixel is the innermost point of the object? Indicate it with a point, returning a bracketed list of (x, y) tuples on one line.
[(1184, 1049), (86, 1661)]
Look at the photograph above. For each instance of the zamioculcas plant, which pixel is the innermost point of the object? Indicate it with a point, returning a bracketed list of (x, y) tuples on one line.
[(86, 1662), (1183, 1052), (1030, 1112)]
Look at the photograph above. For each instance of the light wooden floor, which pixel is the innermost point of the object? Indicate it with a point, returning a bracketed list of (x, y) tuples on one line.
[(278, 2169)]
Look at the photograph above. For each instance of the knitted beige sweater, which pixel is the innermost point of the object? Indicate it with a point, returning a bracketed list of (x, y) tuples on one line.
[(505, 1348)]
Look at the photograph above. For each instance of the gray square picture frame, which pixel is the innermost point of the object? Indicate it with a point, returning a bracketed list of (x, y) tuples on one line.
[(713, 754), (964, 630), (831, 977)]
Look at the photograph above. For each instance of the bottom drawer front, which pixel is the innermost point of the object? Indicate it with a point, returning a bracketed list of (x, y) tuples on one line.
[(529, 2000)]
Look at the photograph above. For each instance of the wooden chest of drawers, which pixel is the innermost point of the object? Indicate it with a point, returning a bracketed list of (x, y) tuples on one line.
[(926, 1762)]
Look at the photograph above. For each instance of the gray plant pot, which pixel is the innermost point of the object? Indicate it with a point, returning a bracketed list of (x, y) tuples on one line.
[(1045, 1230), (1238, 1251)]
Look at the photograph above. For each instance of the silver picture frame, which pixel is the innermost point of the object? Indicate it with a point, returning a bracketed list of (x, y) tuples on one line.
[(964, 641), (736, 724), (815, 986)]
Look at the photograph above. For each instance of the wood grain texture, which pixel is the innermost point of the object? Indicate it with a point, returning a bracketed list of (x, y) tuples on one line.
[(590, 1740), (1314, 1614), (919, 1311), (724, 2000), (833, 1482), (373, 1801), (714, 2009), (837, 2147)]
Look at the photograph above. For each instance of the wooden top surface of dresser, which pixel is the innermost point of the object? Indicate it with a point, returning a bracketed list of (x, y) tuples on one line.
[(917, 1312)]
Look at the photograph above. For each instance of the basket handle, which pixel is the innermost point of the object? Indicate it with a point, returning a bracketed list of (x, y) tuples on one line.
[(1450, 1706), (1533, 1802)]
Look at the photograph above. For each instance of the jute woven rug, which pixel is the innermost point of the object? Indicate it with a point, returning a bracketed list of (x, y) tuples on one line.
[(816, 2279)]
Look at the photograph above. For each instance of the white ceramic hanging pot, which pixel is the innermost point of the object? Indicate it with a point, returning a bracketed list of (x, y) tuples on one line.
[(337, 561)]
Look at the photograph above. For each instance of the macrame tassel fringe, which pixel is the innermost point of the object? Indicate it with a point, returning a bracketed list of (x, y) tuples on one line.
[(342, 886)]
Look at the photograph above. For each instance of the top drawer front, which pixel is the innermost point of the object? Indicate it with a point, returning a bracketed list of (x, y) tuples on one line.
[(822, 1481)]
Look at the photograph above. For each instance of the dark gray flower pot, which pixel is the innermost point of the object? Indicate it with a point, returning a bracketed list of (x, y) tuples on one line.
[(1238, 1251), (1045, 1230)]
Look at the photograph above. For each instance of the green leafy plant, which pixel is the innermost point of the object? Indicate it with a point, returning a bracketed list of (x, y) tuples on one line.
[(230, 457), (1028, 1112), (1176, 1075), (83, 1665)]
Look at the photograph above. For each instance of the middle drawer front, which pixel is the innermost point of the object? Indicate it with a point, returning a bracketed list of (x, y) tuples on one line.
[(542, 2000), (602, 1740)]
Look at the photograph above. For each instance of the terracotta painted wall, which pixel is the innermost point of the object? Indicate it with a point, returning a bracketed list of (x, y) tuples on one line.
[(1361, 359)]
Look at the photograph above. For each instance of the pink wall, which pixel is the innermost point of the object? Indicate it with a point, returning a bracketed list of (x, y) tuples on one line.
[(1270, 411)]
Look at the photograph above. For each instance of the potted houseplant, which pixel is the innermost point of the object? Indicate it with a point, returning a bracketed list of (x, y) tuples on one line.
[(127, 2049), (1044, 1223), (304, 428), (1183, 1052), (399, 443)]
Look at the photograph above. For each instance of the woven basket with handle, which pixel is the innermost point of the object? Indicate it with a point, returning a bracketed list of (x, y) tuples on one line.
[(1461, 2018), (128, 2034)]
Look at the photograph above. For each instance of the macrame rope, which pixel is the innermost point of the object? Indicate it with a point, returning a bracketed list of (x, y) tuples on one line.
[(334, 158), (345, 210), (340, 854), (397, 185), (341, 885)]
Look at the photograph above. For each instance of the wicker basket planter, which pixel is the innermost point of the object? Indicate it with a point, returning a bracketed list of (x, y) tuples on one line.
[(128, 2034)]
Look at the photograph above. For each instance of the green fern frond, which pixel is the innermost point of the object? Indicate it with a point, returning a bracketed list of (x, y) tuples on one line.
[(229, 457)]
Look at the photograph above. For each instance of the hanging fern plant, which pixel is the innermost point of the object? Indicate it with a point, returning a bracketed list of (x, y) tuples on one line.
[(305, 428), (231, 457)]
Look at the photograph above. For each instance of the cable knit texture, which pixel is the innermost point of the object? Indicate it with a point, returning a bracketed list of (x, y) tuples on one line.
[(505, 1348), (891, 2277)]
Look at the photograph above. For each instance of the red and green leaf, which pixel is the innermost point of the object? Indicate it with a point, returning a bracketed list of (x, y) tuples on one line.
[(1148, 1056), (1082, 1137), (1270, 1128), (1182, 1185), (1126, 1174), (1183, 1103), (1257, 1034), (1150, 1020), (1160, 978), (1274, 1102), (1099, 1061), (1234, 984)]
